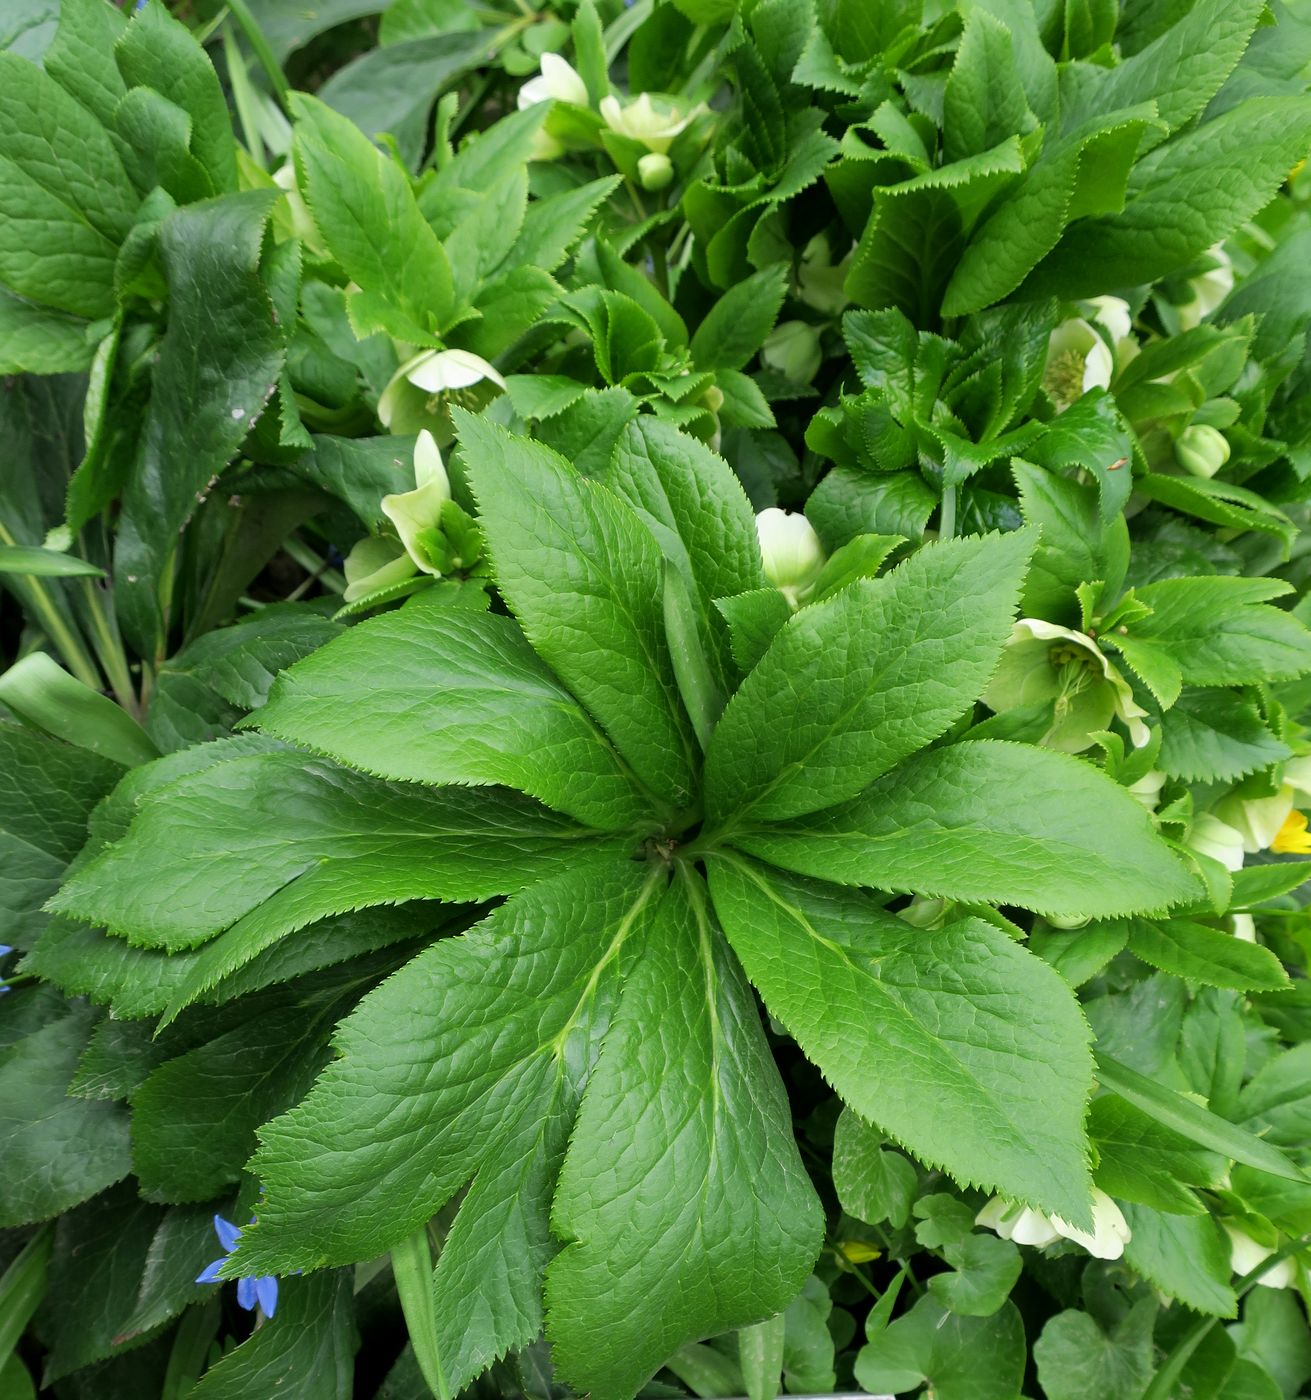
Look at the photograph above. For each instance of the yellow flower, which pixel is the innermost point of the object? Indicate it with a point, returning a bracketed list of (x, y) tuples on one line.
[(857, 1251), (1293, 839)]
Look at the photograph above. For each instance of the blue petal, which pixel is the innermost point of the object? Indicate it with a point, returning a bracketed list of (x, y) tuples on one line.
[(246, 1293), (266, 1290), (227, 1233), (210, 1274), (5, 949)]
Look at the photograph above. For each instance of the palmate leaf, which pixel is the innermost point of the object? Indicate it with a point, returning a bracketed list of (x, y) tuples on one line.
[(984, 820), (681, 1165), (926, 1034), (286, 839)]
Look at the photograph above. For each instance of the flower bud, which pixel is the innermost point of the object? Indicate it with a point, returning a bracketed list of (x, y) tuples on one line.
[(1201, 450), (790, 549), (1245, 1254), (417, 514), (655, 170), (792, 348), (558, 82)]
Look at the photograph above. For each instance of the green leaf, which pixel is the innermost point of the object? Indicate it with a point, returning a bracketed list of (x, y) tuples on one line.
[(554, 225), (1076, 1360), (959, 1358), (1215, 736), (983, 102), (159, 52), (22, 1286), (66, 202), (1276, 1101), (40, 340), (736, 326), (852, 685), (984, 1270), (1219, 502), (722, 1213), (453, 696), (753, 619), (39, 691), (61, 1150), (1217, 631), (516, 1008), (1255, 884), (215, 369), (873, 1182), (47, 791), (81, 56), (1207, 955), (326, 839), (44, 563), (760, 1354), (946, 823), (1144, 1161), (1182, 198), (1083, 174), (584, 577), (366, 211), (928, 1036), (305, 1352), (1199, 1125), (1185, 1256)]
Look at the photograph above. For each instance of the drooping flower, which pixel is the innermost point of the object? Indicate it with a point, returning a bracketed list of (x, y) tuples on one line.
[(417, 394), (557, 81), (792, 348), (1025, 1225), (1245, 1254), (643, 120), (417, 514), (1044, 662), (1209, 836), (1078, 359), (252, 1292), (790, 550), (1208, 289)]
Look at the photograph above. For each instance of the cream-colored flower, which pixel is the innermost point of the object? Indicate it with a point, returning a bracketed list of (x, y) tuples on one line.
[(412, 398), (1243, 927), (1147, 789), (417, 514), (1113, 314), (1110, 1233), (1025, 1225), (1208, 290), (1209, 836), (792, 349), (1078, 359), (557, 81), (642, 120), (1043, 662), (1257, 819), (790, 550), (1245, 1254)]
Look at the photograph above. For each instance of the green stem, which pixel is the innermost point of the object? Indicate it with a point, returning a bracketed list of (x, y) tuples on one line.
[(947, 519), (260, 47), (68, 644), (109, 648)]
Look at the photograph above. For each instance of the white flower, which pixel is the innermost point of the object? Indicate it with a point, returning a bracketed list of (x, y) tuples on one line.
[(1245, 1254), (790, 549), (1147, 789), (1257, 819), (418, 512), (1025, 1225), (1243, 927), (1078, 359), (558, 81), (642, 121), (1201, 450), (1114, 315), (433, 372), (1209, 836), (1208, 290), (1045, 662)]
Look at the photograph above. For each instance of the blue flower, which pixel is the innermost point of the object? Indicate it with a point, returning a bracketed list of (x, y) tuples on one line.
[(250, 1291), (5, 950)]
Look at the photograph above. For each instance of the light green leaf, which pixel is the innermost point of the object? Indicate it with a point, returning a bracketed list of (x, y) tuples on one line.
[(40, 340), (1207, 955), (453, 696), (1185, 1256), (584, 577), (721, 1211), (1182, 198), (367, 214), (946, 823), (960, 1045), (284, 839), (81, 56), (1144, 1161), (44, 563), (852, 685), (1215, 736), (1276, 1102)]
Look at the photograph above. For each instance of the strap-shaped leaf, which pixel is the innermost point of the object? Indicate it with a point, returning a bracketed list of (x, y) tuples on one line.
[(682, 1168), (985, 821), (447, 695), (851, 686), (957, 1042), (585, 579), (290, 839)]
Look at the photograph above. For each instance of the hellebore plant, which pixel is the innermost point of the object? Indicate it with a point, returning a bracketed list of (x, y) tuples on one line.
[(680, 787)]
